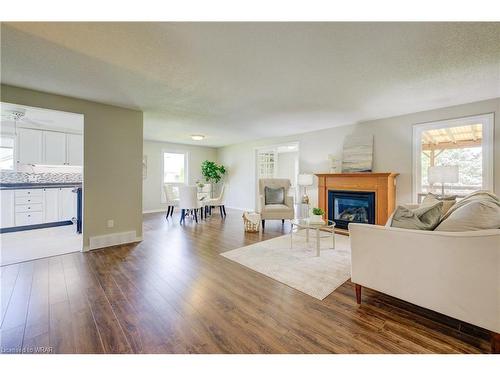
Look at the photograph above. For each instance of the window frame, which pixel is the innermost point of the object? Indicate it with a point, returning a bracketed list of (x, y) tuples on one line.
[(487, 120), (186, 171)]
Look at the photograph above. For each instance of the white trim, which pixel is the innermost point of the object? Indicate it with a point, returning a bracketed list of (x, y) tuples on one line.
[(155, 210), (488, 122), (112, 239)]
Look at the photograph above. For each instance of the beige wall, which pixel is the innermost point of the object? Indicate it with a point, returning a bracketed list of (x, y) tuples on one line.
[(392, 150), (152, 184), (112, 159)]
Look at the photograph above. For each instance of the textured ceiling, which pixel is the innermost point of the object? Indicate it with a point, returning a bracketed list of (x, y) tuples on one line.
[(235, 82)]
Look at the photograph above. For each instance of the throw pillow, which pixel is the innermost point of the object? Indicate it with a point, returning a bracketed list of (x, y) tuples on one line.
[(448, 202), (480, 212), (424, 217), (480, 195), (274, 196)]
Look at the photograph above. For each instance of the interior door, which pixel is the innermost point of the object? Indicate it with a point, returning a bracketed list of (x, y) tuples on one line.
[(54, 148)]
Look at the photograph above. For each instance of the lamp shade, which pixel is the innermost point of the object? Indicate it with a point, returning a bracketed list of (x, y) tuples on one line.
[(305, 179), (442, 174)]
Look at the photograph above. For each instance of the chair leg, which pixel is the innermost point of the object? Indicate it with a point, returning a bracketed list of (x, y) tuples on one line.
[(183, 215), (172, 208), (282, 221), (196, 214), (168, 212), (224, 209), (201, 213), (220, 209), (263, 224)]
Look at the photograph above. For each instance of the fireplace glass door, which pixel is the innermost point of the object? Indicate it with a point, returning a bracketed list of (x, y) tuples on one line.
[(346, 207)]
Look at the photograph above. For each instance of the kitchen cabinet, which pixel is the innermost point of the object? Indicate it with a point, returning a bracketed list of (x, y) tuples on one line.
[(68, 204), (29, 146), (22, 207), (54, 148), (49, 147), (74, 145), (51, 205), (7, 218)]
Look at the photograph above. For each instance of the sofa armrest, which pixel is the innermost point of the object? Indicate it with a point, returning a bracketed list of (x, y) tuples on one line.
[(289, 201), (261, 203)]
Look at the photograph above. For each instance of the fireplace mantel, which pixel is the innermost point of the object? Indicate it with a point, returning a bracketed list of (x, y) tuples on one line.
[(383, 184)]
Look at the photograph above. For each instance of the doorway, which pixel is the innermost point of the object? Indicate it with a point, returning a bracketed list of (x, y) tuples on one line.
[(41, 183)]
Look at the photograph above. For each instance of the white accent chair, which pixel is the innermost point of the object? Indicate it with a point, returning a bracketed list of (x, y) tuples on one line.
[(454, 273), (189, 202), (281, 212), (172, 198), (217, 202)]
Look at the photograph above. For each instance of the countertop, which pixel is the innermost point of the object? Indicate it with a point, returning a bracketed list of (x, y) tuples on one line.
[(37, 185)]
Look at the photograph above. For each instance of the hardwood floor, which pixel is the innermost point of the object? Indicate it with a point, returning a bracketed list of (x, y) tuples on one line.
[(173, 293)]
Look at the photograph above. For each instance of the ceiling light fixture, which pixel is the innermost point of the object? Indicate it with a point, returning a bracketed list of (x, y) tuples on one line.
[(197, 137)]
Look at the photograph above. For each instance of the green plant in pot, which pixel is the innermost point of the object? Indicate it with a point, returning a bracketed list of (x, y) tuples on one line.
[(317, 215), (212, 172)]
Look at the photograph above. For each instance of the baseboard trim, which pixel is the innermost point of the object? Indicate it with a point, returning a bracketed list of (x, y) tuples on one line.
[(112, 239), (240, 208), (154, 211)]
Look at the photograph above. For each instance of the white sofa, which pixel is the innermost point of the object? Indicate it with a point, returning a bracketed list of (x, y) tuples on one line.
[(454, 273)]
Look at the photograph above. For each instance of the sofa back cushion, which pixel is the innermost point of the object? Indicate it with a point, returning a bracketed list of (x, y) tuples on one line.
[(274, 195), (448, 202), (425, 217), (477, 211)]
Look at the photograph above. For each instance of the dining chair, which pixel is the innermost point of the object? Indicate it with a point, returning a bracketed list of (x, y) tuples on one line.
[(172, 197), (217, 202), (189, 202)]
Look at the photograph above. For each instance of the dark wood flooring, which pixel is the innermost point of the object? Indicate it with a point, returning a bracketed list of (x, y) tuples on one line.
[(173, 293)]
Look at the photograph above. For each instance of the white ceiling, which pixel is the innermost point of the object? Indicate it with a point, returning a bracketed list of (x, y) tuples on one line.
[(235, 82)]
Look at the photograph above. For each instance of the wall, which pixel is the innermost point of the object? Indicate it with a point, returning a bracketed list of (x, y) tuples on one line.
[(152, 185), (392, 150), (112, 159)]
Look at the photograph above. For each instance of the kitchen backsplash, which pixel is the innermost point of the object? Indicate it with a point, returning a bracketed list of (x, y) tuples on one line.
[(7, 177)]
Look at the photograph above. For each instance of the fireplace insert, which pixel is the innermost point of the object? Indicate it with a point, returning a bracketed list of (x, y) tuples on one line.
[(346, 207)]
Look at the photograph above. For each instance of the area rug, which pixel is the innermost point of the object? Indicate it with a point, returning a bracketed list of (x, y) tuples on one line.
[(298, 267)]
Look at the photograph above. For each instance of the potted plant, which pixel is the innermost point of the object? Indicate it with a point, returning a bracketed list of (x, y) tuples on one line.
[(212, 171), (317, 215)]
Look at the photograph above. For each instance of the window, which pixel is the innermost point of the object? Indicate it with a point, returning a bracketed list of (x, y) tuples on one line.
[(6, 153), (266, 164), (464, 143), (174, 168)]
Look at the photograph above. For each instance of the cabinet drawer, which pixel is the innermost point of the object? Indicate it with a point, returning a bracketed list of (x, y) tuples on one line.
[(28, 192), (29, 199), (28, 218), (29, 207)]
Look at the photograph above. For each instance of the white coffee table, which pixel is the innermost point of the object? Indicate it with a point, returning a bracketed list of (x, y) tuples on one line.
[(328, 226)]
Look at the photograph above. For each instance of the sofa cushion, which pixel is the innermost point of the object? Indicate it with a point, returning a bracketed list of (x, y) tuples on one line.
[(425, 217), (448, 202), (277, 208), (274, 195), (477, 211)]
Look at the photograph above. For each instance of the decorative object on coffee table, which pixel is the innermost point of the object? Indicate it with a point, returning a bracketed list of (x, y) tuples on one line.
[(305, 180), (357, 154), (317, 216), (306, 224)]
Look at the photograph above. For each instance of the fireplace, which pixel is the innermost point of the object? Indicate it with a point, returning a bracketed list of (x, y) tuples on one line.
[(346, 207)]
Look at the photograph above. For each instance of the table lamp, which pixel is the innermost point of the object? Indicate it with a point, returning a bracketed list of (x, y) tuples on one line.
[(305, 180), (442, 174)]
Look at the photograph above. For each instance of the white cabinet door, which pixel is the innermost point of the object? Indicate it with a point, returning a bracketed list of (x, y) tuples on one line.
[(29, 150), (7, 208), (51, 205), (68, 204), (75, 149), (54, 148)]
